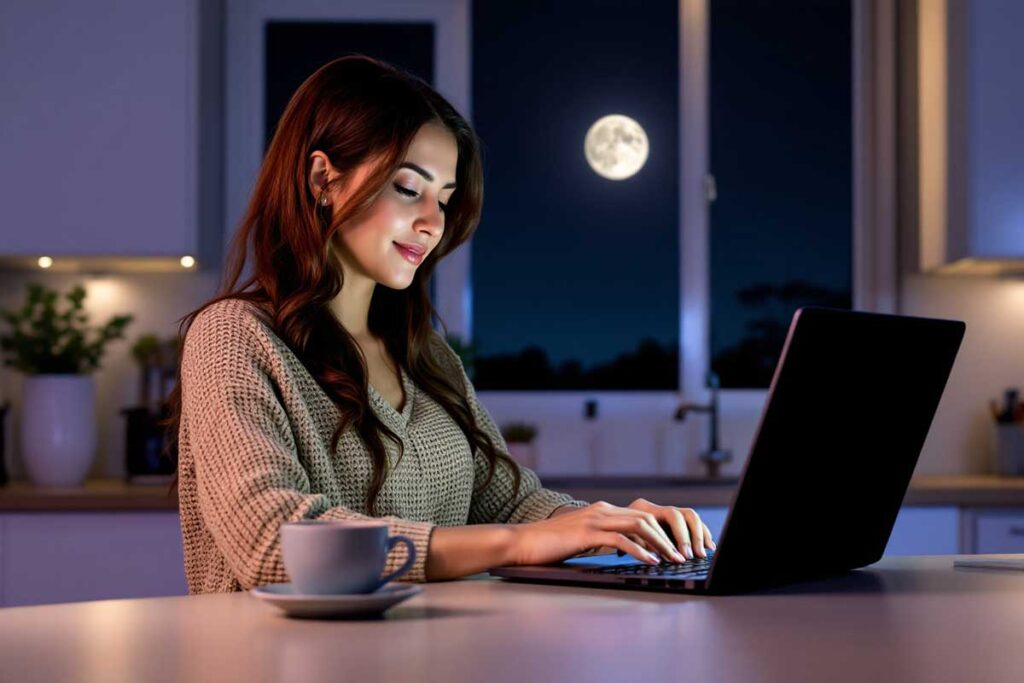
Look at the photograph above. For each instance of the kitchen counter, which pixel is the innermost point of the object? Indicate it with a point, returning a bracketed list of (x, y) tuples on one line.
[(956, 490), (902, 619), (93, 495)]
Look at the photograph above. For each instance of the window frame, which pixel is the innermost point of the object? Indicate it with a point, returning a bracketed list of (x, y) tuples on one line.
[(873, 231), (874, 203), (244, 109)]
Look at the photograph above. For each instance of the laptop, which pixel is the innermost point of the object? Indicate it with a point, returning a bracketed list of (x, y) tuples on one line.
[(848, 410)]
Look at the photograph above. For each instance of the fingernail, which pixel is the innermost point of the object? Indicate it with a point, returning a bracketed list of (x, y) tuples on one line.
[(679, 556), (653, 558), (689, 551)]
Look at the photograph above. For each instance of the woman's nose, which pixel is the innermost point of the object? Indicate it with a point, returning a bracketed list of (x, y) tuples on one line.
[(432, 221)]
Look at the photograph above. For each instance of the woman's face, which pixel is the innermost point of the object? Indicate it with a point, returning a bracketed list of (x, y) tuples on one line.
[(388, 242)]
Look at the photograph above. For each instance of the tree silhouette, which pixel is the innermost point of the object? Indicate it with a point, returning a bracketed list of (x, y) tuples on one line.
[(653, 366), (751, 363), (650, 366)]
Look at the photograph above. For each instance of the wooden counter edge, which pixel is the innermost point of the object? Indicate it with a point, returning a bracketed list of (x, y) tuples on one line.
[(93, 496)]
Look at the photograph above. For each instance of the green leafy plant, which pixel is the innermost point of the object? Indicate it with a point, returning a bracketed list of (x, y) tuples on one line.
[(43, 340), (145, 349), (518, 432)]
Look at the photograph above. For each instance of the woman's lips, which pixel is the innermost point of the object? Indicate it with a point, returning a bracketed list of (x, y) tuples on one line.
[(409, 255)]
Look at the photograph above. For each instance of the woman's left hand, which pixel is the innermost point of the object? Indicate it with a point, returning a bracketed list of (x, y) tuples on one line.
[(689, 534)]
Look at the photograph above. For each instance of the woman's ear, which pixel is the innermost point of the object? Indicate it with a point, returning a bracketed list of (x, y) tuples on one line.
[(320, 173)]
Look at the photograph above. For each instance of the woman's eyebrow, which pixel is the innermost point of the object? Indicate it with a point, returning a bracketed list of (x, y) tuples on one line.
[(423, 172)]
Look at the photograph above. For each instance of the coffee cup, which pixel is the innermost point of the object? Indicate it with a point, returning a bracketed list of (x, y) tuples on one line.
[(338, 556)]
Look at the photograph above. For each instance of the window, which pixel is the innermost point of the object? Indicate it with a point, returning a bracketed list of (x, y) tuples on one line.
[(575, 277), (781, 153), (295, 49)]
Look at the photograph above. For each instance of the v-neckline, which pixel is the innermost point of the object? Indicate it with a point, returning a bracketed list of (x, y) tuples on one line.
[(375, 397), (409, 390)]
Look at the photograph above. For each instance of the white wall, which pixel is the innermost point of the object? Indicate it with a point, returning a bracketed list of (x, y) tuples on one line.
[(991, 359), (960, 440)]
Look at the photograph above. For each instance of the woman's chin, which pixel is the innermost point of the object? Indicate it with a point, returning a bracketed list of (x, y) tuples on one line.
[(398, 281)]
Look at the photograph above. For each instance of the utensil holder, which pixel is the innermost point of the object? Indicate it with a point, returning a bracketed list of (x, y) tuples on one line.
[(1009, 451)]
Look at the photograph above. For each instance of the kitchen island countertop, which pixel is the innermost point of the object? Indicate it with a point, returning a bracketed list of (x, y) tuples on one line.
[(902, 619)]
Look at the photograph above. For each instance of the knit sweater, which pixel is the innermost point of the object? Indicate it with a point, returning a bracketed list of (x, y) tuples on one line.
[(254, 452)]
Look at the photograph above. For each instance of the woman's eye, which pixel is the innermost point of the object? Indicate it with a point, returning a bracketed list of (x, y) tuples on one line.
[(402, 189)]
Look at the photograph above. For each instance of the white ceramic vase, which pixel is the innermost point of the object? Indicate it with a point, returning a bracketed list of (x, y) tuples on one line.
[(58, 428)]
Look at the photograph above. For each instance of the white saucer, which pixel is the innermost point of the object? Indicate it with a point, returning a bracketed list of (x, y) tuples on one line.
[(354, 605)]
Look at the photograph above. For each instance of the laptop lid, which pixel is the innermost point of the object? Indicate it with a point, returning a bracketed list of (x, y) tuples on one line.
[(851, 402)]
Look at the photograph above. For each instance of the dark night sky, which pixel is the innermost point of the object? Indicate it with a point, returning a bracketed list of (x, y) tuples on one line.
[(590, 263), (781, 145), (586, 267)]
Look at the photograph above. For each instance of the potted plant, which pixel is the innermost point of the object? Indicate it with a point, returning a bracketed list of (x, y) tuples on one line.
[(519, 437), (57, 351)]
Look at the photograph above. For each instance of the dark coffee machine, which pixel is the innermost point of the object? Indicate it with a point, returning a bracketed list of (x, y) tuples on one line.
[(3, 435), (144, 444), (144, 436)]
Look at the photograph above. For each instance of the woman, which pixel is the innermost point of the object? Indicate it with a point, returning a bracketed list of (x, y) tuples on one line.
[(309, 391)]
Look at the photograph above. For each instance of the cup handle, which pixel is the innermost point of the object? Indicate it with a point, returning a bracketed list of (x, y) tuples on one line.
[(392, 542)]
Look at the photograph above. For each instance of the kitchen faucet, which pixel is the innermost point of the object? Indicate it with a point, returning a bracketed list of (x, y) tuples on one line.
[(714, 456)]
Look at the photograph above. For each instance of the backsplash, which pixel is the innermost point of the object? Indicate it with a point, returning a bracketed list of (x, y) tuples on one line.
[(622, 440), (991, 359)]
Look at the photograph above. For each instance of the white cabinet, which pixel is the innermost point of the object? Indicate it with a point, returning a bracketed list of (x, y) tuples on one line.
[(72, 556), (918, 530), (995, 128), (994, 530), (964, 138), (102, 151), (50, 557)]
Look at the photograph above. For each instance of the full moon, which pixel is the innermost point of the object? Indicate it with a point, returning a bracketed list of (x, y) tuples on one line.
[(615, 147)]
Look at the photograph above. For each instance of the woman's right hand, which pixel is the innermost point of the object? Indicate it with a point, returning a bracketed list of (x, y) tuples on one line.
[(582, 529)]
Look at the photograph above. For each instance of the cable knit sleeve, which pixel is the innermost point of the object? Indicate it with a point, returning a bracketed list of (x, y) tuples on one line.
[(495, 503), (248, 475)]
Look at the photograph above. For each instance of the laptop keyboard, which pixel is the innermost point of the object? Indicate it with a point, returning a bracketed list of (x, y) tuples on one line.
[(685, 570)]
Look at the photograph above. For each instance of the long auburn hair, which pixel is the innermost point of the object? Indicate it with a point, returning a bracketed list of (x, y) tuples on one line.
[(356, 110)]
